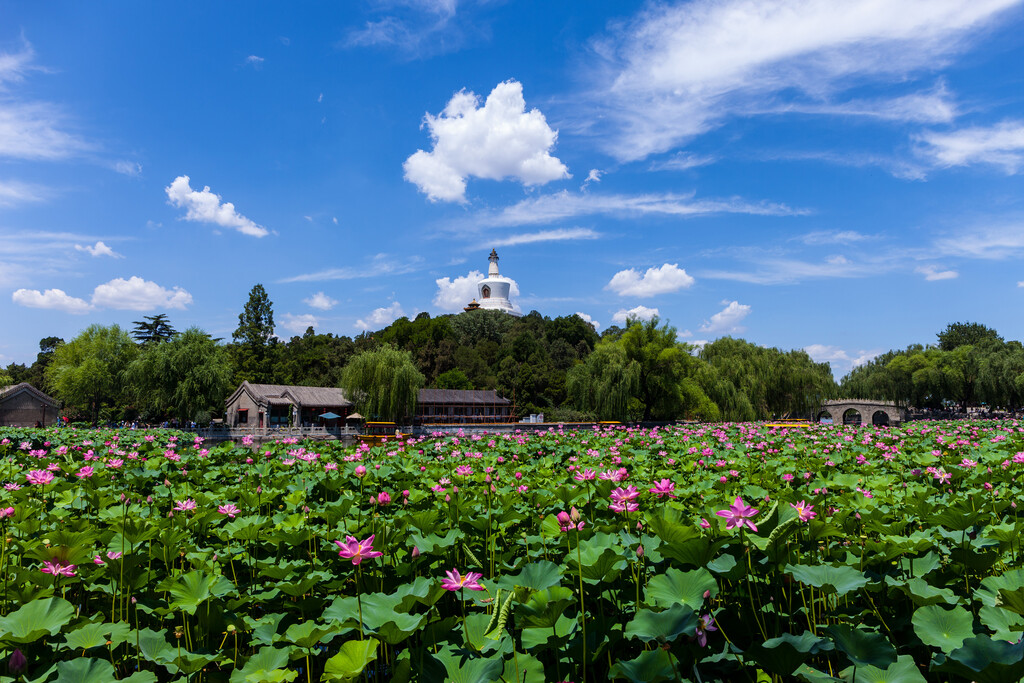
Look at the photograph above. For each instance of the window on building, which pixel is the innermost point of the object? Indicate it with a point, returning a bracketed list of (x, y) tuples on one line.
[(243, 416), (485, 292)]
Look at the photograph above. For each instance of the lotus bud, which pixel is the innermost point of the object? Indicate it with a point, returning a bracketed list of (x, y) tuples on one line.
[(360, 471), (17, 663), (415, 551), (639, 551)]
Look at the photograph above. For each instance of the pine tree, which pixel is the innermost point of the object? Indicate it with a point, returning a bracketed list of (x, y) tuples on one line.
[(254, 338)]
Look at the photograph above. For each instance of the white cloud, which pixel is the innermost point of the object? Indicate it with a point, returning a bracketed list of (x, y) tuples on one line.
[(679, 70), (320, 301), (381, 317), (932, 273), (833, 237), (16, 192), (668, 278), (136, 294), (129, 168), (588, 319), (98, 249), (380, 264), (593, 177), (1000, 145), (727, 320), (563, 205), (558, 235), (641, 312), (205, 207), (683, 161), (453, 294), (495, 141), (838, 358), (53, 299), (770, 269), (993, 242), (254, 61), (297, 324)]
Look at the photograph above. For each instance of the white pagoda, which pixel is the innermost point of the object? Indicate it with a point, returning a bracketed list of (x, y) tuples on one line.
[(493, 290)]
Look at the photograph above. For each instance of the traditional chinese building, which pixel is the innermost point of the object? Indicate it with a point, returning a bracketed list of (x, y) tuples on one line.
[(22, 405), (278, 405), (461, 406)]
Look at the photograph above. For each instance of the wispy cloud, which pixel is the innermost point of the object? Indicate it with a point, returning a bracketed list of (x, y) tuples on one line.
[(381, 317), (564, 205), (838, 358), (419, 28), (1000, 145), (14, 192), (381, 264), (777, 270), (677, 71), (558, 235), (932, 273)]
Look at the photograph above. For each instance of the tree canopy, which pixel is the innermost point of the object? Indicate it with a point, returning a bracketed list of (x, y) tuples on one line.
[(87, 372), (153, 329), (383, 383)]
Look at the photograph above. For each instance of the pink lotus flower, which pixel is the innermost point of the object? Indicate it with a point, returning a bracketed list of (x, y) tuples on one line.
[(357, 550), (84, 473), (383, 498), (186, 505), (360, 471), (230, 509), (247, 440), (39, 477), (663, 488), (456, 581), (570, 520), (584, 475), (6, 512), (58, 568), (705, 624), (738, 515), (804, 511)]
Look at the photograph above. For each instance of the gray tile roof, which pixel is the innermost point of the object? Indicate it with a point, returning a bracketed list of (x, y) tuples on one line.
[(307, 396), (461, 396), (12, 389)]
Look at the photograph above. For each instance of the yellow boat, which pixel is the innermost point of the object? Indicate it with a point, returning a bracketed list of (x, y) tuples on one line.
[(376, 433)]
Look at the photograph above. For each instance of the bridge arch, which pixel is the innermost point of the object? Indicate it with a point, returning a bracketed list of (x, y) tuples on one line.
[(870, 411)]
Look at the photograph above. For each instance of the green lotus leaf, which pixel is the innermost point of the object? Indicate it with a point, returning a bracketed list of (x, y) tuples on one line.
[(903, 670), (309, 633), (85, 670), (268, 664), (840, 580), (679, 587), (942, 628), (649, 667), (536, 575), (95, 635), (350, 661), (38, 618), (523, 668), (863, 647), (549, 637), (923, 593), (783, 655), (544, 608), (194, 588), (985, 660), (463, 668), (663, 627), (1005, 625)]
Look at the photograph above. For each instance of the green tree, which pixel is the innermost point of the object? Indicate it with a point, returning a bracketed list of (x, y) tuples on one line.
[(966, 334), (187, 377), (255, 344), (152, 329), (383, 383), (647, 370), (86, 373), (453, 379)]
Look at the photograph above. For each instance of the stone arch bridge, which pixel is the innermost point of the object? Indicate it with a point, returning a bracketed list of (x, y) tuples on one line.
[(860, 411)]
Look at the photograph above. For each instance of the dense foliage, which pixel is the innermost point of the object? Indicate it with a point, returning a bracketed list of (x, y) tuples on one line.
[(970, 365), (692, 553)]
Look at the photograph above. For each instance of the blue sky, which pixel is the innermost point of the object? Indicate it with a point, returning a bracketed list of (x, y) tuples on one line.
[(845, 178)]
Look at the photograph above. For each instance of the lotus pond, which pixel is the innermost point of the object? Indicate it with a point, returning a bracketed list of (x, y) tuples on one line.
[(687, 553)]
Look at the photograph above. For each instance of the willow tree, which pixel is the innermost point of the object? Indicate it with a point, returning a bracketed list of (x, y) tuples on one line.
[(188, 376), (86, 373), (383, 383), (605, 383)]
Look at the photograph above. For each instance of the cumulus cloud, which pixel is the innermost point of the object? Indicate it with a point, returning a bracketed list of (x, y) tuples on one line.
[(642, 312), (668, 278), (727, 320), (453, 294), (495, 141), (320, 301), (679, 70), (999, 145), (136, 294), (205, 207), (588, 319), (98, 249), (932, 273), (297, 324), (381, 317), (52, 299)]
